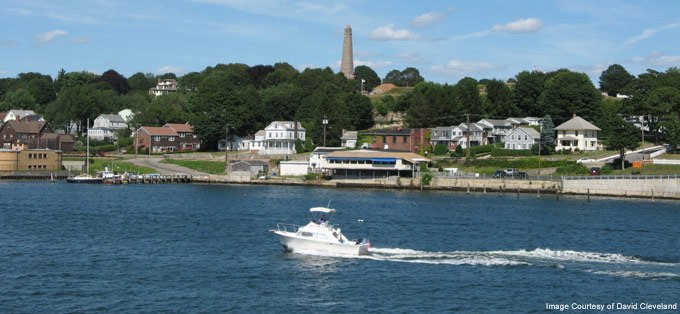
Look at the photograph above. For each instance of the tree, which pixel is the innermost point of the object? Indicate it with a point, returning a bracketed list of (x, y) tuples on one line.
[(191, 80), (614, 79), (467, 97), (78, 103), (258, 74), (40, 86), (280, 101), (547, 135), (568, 93), (117, 82), (17, 99), (283, 72), (623, 136), (171, 108), (671, 131), (527, 92), (431, 104), (411, 76), (368, 75), (141, 82), (393, 77), (499, 98), (71, 79)]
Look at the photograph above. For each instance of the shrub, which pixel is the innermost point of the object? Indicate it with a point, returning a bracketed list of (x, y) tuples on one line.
[(441, 149), (459, 151), (607, 169), (312, 176), (511, 152), (426, 178), (572, 169)]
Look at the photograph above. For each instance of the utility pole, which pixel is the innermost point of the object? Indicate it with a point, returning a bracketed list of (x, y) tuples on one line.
[(325, 122), (467, 154), (226, 150), (642, 127)]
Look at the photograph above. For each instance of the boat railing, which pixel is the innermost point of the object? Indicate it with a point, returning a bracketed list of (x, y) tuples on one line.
[(287, 227)]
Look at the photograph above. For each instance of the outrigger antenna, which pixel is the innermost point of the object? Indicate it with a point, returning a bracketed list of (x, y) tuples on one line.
[(329, 203)]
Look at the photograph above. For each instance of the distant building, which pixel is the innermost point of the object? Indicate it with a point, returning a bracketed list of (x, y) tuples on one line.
[(30, 160), (498, 129), (347, 61), (17, 115), (521, 138), (105, 126), (279, 138), (248, 168), (57, 141), (577, 134), (349, 139), (157, 139), (396, 139), (164, 87), (14, 133), (186, 138), (318, 157), (371, 164)]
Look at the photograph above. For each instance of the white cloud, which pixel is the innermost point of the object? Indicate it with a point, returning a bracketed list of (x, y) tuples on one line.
[(50, 36), (388, 33), (529, 25), (427, 19), (373, 64), (658, 59), (471, 35), (646, 33), (170, 69), (459, 67)]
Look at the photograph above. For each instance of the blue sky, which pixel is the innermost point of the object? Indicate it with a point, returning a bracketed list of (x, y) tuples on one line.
[(445, 40)]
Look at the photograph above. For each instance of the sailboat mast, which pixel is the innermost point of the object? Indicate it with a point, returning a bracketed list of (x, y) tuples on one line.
[(87, 157)]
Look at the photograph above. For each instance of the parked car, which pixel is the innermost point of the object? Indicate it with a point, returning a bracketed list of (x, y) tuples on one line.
[(499, 174), (511, 172), (595, 171), (585, 160)]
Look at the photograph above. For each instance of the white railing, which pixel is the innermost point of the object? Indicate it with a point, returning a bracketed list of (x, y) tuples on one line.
[(666, 161), (287, 227)]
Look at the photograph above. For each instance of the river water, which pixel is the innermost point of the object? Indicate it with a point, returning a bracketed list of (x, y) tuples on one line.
[(206, 248)]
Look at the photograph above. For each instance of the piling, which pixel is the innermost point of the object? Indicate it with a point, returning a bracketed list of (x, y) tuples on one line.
[(468, 188), (588, 195)]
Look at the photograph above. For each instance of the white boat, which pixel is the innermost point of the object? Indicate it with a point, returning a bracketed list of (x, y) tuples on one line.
[(319, 236)]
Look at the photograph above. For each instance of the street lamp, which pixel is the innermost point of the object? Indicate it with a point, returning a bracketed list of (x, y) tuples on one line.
[(325, 122)]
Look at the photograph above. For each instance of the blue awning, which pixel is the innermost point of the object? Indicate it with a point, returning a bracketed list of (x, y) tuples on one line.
[(390, 160), (383, 159)]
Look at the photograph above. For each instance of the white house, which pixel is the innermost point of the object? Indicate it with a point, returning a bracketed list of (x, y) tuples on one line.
[(498, 128), (521, 138), (476, 135), (577, 133), (236, 143), (318, 158), (16, 115), (105, 126), (164, 87), (257, 144), (349, 139), (280, 136)]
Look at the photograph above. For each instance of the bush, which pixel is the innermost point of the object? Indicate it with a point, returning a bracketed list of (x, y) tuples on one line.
[(511, 152), (530, 163), (426, 178), (572, 169), (459, 151), (312, 176), (482, 149), (607, 169), (441, 149), (616, 164)]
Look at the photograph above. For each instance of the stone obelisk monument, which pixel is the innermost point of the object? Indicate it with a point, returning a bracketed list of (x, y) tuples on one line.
[(347, 63)]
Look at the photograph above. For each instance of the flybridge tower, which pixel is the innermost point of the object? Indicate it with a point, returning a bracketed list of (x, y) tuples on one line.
[(347, 63)]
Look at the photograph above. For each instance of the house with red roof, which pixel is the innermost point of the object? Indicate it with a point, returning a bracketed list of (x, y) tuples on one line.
[(188, 140)]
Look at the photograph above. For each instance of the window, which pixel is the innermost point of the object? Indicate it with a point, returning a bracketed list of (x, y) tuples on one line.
[(576, 133), (394, 139), (182, 134), (513, 137), (405, 140), (526, 138), (156, 138), (171, 138), (30, 155)]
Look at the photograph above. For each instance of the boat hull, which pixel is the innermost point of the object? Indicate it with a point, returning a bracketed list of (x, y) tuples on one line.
[(295, 244), (84, 180)]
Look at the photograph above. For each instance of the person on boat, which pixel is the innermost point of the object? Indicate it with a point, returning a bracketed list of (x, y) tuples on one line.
[(323, 219)]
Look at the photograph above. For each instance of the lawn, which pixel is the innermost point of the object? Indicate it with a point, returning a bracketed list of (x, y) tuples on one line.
[(212, 167), (650, 169)]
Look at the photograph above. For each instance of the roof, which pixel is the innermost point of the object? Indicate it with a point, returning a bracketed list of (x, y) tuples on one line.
[(529, 131), (155, 130), (33, 127), (577, 123), (362, 154), (260, 133), (393, 131), (2, 115), (112, 117), (249, 162), (49, 136), (514, 120), (180, 127), (21, 113), (322, 210), (288, 125), (496, 122), (350, 135), (319, 150), (568, 138), (474, 126)]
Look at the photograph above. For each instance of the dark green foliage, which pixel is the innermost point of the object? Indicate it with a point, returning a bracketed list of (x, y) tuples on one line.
[(567, 93), (547, 131), (408, 77), (298, 146), (482, 149), (498, 152), (523, 163), (459, 151), (116, 81), (615, 79), (607, 169), (572, 169), (499, 98), (368, 75), (441, 149), (141, 82), (527, 92), (431, 104)]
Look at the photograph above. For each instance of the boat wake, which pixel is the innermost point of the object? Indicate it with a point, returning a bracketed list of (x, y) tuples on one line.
[(610, 264)]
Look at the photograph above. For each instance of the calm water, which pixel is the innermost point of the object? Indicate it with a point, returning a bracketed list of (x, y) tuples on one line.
[(202, 248)]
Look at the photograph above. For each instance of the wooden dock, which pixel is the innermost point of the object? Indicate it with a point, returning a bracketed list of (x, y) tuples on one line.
[(157, 178)]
